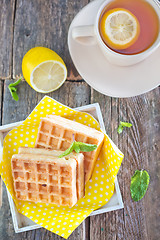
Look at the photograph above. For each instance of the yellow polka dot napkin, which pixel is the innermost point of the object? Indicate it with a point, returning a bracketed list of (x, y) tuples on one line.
[(99, 189)]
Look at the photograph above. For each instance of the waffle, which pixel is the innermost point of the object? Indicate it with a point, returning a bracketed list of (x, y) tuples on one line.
[(77, 156), (44, 179), (56, 132)]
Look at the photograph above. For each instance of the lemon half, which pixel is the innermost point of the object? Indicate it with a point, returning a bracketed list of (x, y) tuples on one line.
[(120, 28), (43, 69)]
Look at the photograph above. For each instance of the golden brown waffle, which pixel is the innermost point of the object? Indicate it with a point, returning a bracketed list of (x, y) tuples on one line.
[(56, 132), (44, 179), (79, 157)]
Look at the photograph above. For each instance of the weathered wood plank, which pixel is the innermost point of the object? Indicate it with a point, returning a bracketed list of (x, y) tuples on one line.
[(73, 94), (140, 146), (44, 23), (1, 98), (6, 37)]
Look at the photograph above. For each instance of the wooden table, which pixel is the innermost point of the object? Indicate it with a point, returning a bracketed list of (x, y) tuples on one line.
[(26, 24)]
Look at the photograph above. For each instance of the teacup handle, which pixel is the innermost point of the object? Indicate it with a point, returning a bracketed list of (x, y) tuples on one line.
[(84, 34)]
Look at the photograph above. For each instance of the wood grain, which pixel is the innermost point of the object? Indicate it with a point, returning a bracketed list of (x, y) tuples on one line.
[(72, 94), (1, 98), (140, 146), (6, 37), (44, 23)]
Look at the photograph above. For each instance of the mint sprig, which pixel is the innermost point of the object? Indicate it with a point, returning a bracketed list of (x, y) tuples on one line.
[(122, 125), (13, 90), (139, 184), (79, 147)]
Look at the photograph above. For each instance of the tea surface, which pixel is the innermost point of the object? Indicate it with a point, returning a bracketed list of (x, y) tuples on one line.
[(148, 20)]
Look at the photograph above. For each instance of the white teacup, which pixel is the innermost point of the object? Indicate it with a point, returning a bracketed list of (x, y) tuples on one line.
[(90, 35)]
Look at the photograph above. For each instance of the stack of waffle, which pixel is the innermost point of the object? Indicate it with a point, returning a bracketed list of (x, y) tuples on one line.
[(41, 176)]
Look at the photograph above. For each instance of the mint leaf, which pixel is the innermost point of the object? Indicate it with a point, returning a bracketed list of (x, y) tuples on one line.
[(68, 151), (120, 129), (125, 124), (79, 147), (76, 147), (15, 83), (85, 147), (122, 125), (13, 90), (139, 184)]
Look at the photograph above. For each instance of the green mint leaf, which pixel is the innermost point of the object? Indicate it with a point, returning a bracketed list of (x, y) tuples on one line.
[(15, 96), (125, 124), (139, 184), (79, 147), (76, 147), (120, 129), (13, 90), (68, 151), (122, 125), (15, 83), (85, 147)]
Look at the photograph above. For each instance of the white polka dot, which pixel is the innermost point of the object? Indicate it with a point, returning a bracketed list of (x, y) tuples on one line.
[(63, 228), (69, 231), (95, 198), (70, 225), (102, 176), (101, 182), (95, 191), (58, 226), (64, 223), (53, 223), (101, 189), (96, 184)]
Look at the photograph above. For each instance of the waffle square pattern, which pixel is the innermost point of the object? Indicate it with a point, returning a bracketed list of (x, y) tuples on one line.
[(56, 132), (47, 180)]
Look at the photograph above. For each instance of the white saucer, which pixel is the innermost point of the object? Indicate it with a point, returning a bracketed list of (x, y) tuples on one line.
[(106, 78)]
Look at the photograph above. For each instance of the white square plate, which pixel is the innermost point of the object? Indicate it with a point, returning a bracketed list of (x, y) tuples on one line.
[(22, 223)]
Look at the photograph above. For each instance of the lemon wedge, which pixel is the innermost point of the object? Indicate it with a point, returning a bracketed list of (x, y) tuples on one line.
[(120, 28), (43, 69)]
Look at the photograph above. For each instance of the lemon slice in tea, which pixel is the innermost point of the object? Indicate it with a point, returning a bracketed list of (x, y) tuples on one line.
[(120, 28), (43, 69)]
